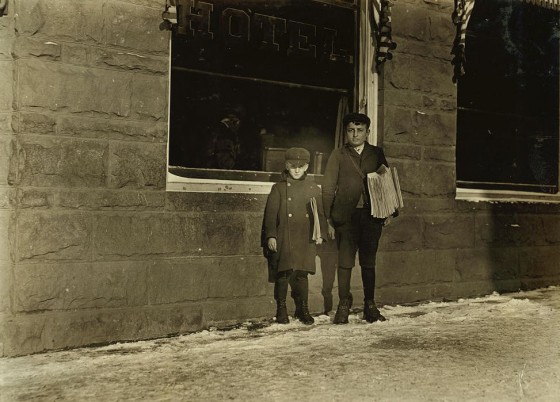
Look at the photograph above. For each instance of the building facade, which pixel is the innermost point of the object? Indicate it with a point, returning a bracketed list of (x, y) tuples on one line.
[(96, 248)]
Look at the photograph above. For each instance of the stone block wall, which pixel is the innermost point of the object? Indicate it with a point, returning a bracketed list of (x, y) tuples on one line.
[(94, 250)]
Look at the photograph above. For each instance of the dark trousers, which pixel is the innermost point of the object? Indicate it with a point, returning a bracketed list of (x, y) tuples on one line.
[(360, 235)]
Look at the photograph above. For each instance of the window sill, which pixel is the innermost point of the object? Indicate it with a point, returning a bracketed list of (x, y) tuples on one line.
[(237, 182), (505, 196)]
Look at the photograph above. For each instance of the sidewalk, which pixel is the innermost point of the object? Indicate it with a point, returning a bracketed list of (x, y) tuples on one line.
[(500, 347)]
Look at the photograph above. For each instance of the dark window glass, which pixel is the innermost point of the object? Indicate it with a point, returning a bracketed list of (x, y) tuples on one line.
[(508, 101), (252, 78)]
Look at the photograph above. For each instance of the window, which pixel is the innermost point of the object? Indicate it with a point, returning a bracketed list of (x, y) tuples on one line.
[(508, 103), (252, 78)]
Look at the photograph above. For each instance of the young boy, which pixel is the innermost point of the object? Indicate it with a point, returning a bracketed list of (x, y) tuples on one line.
[(294, 207)]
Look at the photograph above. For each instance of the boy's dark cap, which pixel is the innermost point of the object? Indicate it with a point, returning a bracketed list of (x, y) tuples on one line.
[(356, 118), (297, 156)]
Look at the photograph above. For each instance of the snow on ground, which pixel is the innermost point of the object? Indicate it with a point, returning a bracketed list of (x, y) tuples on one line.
[(494, 348)]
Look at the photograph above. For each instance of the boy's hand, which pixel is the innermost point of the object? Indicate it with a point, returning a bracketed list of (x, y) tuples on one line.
[(272, 244), (319, 240), (330, 229)]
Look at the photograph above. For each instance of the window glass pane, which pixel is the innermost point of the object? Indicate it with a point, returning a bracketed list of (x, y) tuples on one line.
[(508, 118), (252, 78)]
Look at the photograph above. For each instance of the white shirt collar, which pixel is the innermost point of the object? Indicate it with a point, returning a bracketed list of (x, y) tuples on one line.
[(359, 149)]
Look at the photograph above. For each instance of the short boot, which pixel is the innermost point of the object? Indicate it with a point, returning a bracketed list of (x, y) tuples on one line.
[(371, 312), (281, 312), (342, 312), (304, 315)]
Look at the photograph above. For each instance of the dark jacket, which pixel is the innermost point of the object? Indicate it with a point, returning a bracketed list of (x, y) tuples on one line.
[(288, 217), (342, 183)]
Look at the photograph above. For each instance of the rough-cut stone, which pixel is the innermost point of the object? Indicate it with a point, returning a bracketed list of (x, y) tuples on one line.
[(110, 199), (6, 123), (412, 21), (6, 42), (62, 162), (137, 166), (112, 129), (44, 236), (68, 20), (449, 232), (417, 293), (414, 267), (6, 148), (498, 230), (237, 277), (224, 234), (7, 197), (211, 202), (72, 286), (33, 333), (6, 226), (419, 127), (34, 123), (114, 58), (126, 235), (149, 97), (422, 206), (226, 311), (6, 285), (422, 179), (253, 233), (540, 262), (179, 280), (419, 73), (134, 27), (26, 47), (475, 264), (403, 233), (6, 85), (32, 198), (55, 86), (401, 151), (439, 154)]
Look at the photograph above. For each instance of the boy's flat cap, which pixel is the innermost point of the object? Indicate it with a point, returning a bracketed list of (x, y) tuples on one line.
[(297, 156)]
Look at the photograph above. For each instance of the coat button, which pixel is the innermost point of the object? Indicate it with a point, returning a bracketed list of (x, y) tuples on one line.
[(289, 198), (289, 184), (306, 215), (290, 215)]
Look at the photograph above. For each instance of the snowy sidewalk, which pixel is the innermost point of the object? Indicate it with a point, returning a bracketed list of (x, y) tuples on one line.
[(500, 347)]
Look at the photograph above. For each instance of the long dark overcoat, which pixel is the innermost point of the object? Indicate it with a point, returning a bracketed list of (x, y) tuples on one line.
[(288, 217)]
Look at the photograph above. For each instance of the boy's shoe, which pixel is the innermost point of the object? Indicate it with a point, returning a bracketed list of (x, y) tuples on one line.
[(371, 312), (341, 316), (303, 314), (281, 312)]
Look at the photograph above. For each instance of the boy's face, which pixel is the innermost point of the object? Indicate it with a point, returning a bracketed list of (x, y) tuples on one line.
[(356, 134), (296, 170)]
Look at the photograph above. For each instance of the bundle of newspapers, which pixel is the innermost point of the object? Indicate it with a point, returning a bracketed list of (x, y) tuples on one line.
[(316, 225), (384, 191)]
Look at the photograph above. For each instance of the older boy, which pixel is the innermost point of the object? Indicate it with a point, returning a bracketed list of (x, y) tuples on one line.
[(347, 208)]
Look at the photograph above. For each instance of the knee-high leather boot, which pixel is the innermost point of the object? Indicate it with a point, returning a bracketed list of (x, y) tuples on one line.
[(371, 312), (301, 283), (280, 293), (344, 295)]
